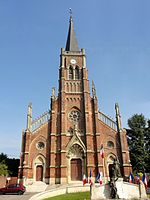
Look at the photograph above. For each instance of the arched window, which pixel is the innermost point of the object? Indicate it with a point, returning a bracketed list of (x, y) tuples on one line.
[(110, 144), (76, 73), (70, 73)]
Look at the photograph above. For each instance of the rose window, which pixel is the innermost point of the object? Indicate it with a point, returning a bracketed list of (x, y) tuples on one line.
[(40, 145), (74, 116)]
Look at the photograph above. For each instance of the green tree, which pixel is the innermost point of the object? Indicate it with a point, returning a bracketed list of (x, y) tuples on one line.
[(3, 166), (138, 142), (9, 164), (13, 165), (3, 169), (147, 144), (3, 157)]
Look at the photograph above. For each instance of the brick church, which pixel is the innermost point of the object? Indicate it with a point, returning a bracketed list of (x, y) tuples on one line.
[(64, 143)]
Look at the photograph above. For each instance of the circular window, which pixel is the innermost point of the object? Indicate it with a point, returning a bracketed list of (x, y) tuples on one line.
[(110, 144), (40, 145), (74, 116)]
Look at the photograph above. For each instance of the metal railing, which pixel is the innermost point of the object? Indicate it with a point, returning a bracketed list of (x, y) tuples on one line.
[(44, 118), (107, 120)]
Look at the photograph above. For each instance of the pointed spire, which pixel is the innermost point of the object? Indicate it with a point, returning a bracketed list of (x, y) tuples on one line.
[(93, 89), (71, 44), (53, 92), (29, 116), (118, 117)]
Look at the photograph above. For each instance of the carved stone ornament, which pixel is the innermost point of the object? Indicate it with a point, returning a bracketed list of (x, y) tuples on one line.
[(76, 150)]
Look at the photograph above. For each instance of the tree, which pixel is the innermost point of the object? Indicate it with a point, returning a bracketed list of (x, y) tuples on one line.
[(3, 157), (3, 166), (8, 166), (147, 144), (138, 140), (3, 169), (13, 165)]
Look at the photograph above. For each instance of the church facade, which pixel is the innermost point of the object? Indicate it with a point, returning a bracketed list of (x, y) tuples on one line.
[(64, 143)]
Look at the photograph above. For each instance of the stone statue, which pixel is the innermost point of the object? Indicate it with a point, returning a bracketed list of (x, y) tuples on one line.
[(115, 174), (113, 187), (117, 168)]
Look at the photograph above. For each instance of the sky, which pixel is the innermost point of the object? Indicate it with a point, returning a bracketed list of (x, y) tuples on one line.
[(115, 35)]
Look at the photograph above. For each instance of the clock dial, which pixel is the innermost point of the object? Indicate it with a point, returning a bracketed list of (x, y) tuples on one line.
[(73, 61)]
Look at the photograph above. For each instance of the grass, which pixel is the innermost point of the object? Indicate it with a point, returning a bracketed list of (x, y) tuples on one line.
[(72, 196), (75, 196)]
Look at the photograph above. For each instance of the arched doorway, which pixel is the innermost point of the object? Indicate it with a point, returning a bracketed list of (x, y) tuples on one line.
[(76, 169), (76, 162), (39, 168), (39, 173)]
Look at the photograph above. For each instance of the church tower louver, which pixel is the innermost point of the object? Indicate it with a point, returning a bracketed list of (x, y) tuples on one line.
[(64, 143)]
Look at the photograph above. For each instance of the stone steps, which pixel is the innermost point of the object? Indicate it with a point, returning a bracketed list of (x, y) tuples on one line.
[(37, 186)]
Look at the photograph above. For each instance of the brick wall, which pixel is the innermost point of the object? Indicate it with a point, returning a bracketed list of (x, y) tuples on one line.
[(2, 181)]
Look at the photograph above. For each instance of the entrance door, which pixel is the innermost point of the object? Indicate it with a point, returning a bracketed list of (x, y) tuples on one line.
[(76, 169), (39, 173)]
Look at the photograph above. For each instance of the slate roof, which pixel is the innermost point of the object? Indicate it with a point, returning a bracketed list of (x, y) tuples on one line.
[(71, 44)]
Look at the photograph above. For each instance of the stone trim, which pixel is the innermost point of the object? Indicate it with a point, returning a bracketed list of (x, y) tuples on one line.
[(63, 134), (90, 134), (127, 165), (53, 134), (90, 165), (100, 165), (90, 151), (25, 166), (63, 166), (63, 151), (53, 152), (52, 166)]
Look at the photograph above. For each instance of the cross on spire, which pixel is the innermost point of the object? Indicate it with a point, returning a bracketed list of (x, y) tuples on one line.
[(71, 44), (70, 11)]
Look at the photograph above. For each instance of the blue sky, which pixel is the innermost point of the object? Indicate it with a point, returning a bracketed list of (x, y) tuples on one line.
[(115, 35)]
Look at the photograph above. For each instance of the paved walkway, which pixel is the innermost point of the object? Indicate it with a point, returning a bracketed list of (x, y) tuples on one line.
[(25, 196)]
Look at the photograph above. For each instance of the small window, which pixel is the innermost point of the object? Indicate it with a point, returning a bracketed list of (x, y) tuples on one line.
[(110, 144), (40, 145), (70, 73), (76, 73)]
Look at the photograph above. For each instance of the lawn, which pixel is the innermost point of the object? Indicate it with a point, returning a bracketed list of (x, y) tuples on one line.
[(72, 196)]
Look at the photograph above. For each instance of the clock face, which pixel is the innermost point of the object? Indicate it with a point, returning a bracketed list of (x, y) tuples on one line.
[(73, 61), (74, 116)]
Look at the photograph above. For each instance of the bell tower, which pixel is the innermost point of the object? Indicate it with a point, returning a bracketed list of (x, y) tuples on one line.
[(74, 111)]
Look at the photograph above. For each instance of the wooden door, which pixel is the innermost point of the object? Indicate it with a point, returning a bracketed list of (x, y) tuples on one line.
[(39, 173), (76, 169)]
